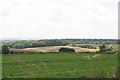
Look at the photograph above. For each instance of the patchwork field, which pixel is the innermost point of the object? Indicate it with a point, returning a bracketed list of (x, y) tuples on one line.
[(61, 65)]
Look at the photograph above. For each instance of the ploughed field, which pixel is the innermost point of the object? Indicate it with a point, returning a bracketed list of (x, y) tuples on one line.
[(59, 65)]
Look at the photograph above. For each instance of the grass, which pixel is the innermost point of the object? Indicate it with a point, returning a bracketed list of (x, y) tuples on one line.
[(63, 65), (115, 46)]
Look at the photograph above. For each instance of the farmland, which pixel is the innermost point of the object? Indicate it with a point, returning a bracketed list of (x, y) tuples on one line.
[(115, 46), (53, 49), (77, 48), (59, 65), (55, 59)]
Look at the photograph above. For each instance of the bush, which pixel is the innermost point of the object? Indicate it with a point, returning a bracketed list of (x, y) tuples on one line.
[(5, 49), (110, 52), (66, 50), (87, 46), (106, 49)]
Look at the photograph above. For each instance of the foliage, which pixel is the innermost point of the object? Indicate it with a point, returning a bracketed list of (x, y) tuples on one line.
[(87, 46), (5, 49), (105, 48), (66, 50), (102, 47), (35, 43), (56, 42)]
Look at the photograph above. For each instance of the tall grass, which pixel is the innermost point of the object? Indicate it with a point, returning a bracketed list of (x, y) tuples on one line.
[(62, 65)]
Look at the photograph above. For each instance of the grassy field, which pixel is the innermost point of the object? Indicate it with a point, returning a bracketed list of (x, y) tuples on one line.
[(115, 46), (62, 65)]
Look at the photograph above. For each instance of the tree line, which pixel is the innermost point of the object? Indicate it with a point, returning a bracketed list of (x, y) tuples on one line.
[(56, 42), (35, 43), (20, 44)]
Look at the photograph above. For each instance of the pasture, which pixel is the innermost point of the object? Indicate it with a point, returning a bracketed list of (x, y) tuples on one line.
[(59, 65), (115, 46)]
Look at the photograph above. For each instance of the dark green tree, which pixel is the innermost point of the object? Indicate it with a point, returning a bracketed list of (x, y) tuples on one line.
[(105, 48), (102, 47), (66, 50), (5, 49)]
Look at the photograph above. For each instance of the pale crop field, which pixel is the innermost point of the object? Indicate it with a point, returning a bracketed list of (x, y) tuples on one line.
[(53, 49)]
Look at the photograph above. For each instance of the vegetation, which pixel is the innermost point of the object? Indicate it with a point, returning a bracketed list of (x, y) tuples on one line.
[(106, 49), (114, 46), (87, 46), (27, 64), (92, 41), (103, 47), (56, 42), (0, 47), (66, 50), (5, 49), (59, 66), (35, 43)]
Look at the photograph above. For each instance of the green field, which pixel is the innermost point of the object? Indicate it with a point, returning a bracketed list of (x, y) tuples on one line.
[(115, 46), (62, 65)]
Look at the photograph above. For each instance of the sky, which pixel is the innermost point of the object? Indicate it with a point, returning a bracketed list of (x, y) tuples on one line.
[(56, 19)]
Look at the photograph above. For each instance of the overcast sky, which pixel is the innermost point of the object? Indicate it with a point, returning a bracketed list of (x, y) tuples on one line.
[(46, 19)]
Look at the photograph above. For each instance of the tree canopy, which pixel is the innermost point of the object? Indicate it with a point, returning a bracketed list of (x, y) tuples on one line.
[(5, 49)]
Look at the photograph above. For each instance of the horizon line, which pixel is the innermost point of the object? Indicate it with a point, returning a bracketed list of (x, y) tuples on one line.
[(50, 38)]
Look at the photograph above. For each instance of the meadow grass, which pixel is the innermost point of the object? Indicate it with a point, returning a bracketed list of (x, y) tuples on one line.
[(61, 65), (115, 46)]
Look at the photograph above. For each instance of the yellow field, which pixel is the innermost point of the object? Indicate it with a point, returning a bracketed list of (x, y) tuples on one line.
[(55, 49)]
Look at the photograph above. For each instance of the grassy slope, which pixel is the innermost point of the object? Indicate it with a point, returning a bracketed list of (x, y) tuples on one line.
[(58, 65), (115, 46)]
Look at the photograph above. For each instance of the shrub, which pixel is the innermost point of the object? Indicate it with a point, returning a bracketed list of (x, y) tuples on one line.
[(5, 49), (66, 50), (106, 49), (87, 46)]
